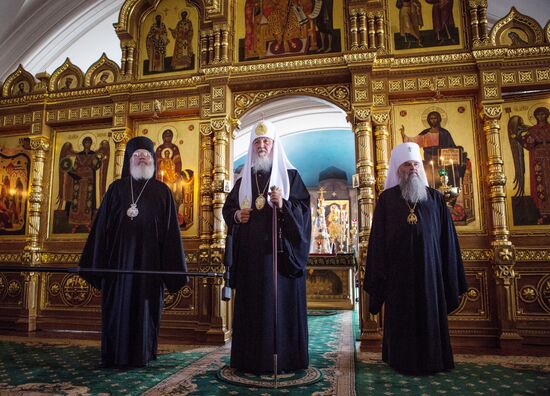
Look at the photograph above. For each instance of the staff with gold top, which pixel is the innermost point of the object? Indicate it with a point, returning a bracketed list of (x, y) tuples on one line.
[(270, 287)]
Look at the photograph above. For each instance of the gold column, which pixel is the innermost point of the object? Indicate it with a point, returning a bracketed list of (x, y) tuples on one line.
[(474, 22), (120, 137), (483, 23), (31, 256), (362, 28), (123, 60), (224, 45), (211, 58), (380, 33), (207, 165), (219, 175), (353, 29), (204, 49), (371, 333), (372, 32), (504, 251), (39, 145), (217, 45), (381, 136)]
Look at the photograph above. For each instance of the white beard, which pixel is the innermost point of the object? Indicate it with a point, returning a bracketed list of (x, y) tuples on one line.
[(262, 164), (142, 171), (412, 188)]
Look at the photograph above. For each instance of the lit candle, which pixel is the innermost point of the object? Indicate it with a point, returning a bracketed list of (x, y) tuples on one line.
[(162, 176), (453, 170), (433, 174)]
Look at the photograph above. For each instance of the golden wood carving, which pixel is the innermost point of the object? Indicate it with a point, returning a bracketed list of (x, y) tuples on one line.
[(39, 145), (532, 27), (103, 63), (207, 165), (120, 137), (19, 75), (381, 135), (220, 174), (337, 94)]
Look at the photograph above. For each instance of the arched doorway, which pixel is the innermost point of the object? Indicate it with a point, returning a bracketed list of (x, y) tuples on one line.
[(319, 142)]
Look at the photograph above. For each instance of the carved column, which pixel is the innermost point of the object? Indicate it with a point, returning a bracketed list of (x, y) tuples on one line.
[(381, 136), (123, 60), (372, 31), (224, 45), (130, 59), (211, 57), (217, 45), (483, 23), (474, 22), (380, 32), (504, 252), (219, 175), (204, 49), (31, 256), (353, 29), (207, 165), (39, 145), (362, 28), (120, 137), (371, 334)]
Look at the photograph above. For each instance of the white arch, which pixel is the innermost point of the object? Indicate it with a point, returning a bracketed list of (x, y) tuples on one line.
[(291, 115)]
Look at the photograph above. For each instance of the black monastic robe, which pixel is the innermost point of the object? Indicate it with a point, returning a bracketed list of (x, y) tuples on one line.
[(416, 271), (131, 305), (251, 275)]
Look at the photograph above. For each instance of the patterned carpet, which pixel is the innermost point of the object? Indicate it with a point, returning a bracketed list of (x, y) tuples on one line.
[(71, 367)]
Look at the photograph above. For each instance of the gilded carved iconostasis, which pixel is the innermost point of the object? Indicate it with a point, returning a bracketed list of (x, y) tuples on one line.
[(195, 75)]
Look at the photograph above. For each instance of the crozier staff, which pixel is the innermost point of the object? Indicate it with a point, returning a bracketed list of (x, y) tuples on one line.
[(136, 228)]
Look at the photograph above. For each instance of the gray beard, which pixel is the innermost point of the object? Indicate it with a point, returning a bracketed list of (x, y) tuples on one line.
[(142, 171), (262, 164), (412, 188)]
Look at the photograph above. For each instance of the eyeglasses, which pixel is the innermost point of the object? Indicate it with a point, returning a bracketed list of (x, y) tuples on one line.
[(145, 154)]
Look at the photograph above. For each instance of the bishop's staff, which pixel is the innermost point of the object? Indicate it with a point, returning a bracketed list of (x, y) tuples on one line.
[(275, 235)]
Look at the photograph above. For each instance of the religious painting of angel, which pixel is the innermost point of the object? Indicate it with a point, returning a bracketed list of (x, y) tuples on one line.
[(529, 141), (15, 166), (81, 175), (444, 132), (274, 28)]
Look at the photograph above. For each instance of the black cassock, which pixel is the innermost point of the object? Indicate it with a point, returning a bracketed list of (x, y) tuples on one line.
[(131, 305), (251, 274), (416, 270)]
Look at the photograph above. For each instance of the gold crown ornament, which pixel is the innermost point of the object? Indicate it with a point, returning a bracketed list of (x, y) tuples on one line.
[(261, 129)]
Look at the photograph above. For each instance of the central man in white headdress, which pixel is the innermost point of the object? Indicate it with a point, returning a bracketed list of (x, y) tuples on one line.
[(268, 180)]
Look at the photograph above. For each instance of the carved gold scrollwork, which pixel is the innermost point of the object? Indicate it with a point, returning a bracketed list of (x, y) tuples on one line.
[(473, 294), (361, 114), (75, 291), (492, 111), (172, 300), (528, 294), (381, 118), (543, 289), (505, 273), (338, 94), (14, 288)]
